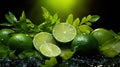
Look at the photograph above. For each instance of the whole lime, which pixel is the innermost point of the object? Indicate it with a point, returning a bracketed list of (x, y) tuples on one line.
[(102, 35), (20, 42), (85, 44), (5, 34)]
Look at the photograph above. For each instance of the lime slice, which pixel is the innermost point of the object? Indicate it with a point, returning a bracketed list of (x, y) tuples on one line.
[(64, 32), (41, 38), (49, 50)]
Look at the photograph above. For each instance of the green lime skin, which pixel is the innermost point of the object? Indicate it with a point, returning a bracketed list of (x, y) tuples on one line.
[(85, 44), (102, 35), (5, 34), (20, 42)]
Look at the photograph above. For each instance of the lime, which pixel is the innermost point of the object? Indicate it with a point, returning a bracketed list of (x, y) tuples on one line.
[(49, 50), (20, 42), (5, 35), (41, 38), (102, 35), (84, 44), (64, 32)]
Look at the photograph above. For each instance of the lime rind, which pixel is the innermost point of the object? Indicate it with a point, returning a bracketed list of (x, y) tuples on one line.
[(50, 50), (64, 32)]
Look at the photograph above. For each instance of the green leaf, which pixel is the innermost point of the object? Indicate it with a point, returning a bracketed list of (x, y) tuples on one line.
[(85, 29), (11, 53), (76, 23), (55, 17), (23, 17), (46, 13), (88, 23), (110, 48), (88, 17), (58, 21), (69, 19), (50, 63), (83, 20), (66, 53), (29, 53), (4, 50), (24, 27), (6, 24), (94, 18), (10, 17)]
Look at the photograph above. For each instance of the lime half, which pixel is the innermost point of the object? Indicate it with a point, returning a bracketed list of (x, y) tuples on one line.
[(64, 32), (41, 38), (49, 50)]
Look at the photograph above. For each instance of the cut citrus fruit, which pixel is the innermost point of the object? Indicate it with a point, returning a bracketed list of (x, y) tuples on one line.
[(49, 50), (41, 38), (64, 32)]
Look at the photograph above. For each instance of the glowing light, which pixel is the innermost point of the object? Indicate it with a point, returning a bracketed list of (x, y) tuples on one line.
[(61, 4), (62, 7)]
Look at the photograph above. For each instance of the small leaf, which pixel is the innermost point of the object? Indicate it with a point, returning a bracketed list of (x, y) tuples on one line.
[(58, 21), (4, 51), (94, 18), (69, 19), (76, 22), (8, 18), (11, 18), (24, 27), (88, 17), (29, 53), (83, 20), (88, 23), (55, 17), (23, 17), (85, 29), (66, 53), (11, 53), (46, 13), (6, 24), (50, 63)]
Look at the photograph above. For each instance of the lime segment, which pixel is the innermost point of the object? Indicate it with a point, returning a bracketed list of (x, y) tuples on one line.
[(64, 32), (50, 50), (41, 38)]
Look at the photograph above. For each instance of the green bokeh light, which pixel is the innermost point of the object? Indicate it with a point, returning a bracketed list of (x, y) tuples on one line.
[(61, 4), (63, 7)]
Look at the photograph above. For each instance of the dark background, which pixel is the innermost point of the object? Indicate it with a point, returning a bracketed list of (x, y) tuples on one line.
[(108, 11)]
